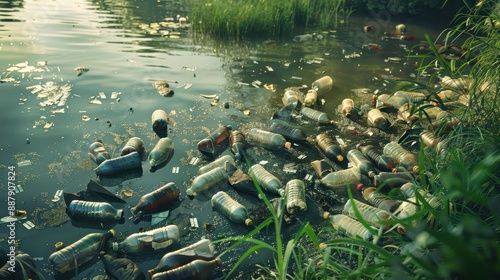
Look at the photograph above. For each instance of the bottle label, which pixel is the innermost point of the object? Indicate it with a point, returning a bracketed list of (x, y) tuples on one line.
[(160, 245)]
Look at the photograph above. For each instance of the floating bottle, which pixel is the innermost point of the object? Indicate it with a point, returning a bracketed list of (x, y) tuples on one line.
[(347, 107), (148, 241), (370, 214), (382, 162), (377, 119), (322, 167), (390, 101), (230, 208), (121, 268), (207, 180), (237, 143), (401, 156), (290, 97), (266, 180), (79, 252), (161, 154), (290, 133), (379, 200), (411, 97), (241, 181), (267, 139), (340, 179), (409, 189), (100, 212), (311, 98), (119, 164), (319, 117), (159, 120), (134, 144), (348, 226), (391, 179), (365, 166), (98, 153), (197, 269), (155, 201), (220, 162), (295, 196), (201, 250), (216, 143), (329, 147), (322, 85)]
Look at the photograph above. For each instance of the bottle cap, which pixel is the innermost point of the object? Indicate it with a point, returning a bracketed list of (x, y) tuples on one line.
[(190, 192), (340, 158), (150, 273), (59, 245), (326, 215), (288, 145), (112, 231), (114, 245), (359, 187), (415, 169), (248, 222)]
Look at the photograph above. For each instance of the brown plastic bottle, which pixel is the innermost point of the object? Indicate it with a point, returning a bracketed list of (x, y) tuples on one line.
[(197, 269), (331, 150), (379, 200), (391, 179), (216, 143), (155, 201), (383, 162)]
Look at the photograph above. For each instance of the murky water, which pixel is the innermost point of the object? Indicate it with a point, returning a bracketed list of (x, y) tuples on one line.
[(126, 46)]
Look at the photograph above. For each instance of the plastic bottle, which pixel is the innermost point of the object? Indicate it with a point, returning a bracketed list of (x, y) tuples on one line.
[(365, 166), (295, 196), (237, 143), (370, 214), (207, 180), (121, 268), (134, 144), (430, 140), (347, 107), (379, 200), (382, 162), (385, 100), (155, 201), (311, 98), (322, 85), (401, 156), (329, 147), (290, 133), (302, 38), (322, 167), (100, 212), (159, 120), (203, 249), (230, 208), (98, 153), (290, 97), (197, 269), (411, 97), (444, 122), (241, 181), (161, 153), (119, 164), (319, 117), (342, 178), (148, 241), (348, 226), (391, 179), (266, 180), (79, 252), (405, 210), (405, 114), (220, 162), (267, 139), (409, 189), (216, 143), (285, 113), (377, 119)]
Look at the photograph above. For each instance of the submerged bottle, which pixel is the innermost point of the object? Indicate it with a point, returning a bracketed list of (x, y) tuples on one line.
[(295, 196), (216, 143), (377, 119), (382, 162), (379, 200), (237, 142), (207, 180), (201, 250), (101, 212), (267, 139), (155, 201), (159, 120), (401, 156), (148, 241), (119, 164), (290, 133), (79, 252), (197, 269), (220, 162), (311, 98), (365, 166), (134, 144), (319, 117), (340, 179), (266, 180), (98, 153), (391, 179), (370, 214), (161, 153), (323, 84), (348, 226), (329, 147), (230, 208), (347, 107)]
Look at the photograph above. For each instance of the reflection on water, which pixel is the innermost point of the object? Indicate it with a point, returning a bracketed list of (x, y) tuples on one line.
[(129, 45)]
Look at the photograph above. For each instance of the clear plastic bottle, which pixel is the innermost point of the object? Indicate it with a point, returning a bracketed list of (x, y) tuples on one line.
[(295, 196), (330, 148), (290, 133), (203, 250), (382, 162), (161, 153), (323, 84), (322, 167), (347, 107), (159, 121), (290, 97), (391, 179), (365, 166), (405, 210), (79, 252), (220, 162), (342, 178), (405, 114), (148, 241), (121, 268), (266, 180), (377, 119), (216, 143), (319, 117), (155, 201), (230, 208), (411, 97), (379, 200), (98, 153), (100, 212), (409, 189), (429, 139), (370, 214), (207, 180), (311, 98), (444, 122), (237, 143), (401, 156), (134, 144), (197, 269), (267, 139), (349, 226), (119, 164), (390, 101)]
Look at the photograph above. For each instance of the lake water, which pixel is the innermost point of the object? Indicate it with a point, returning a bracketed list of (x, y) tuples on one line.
[(128, 45)]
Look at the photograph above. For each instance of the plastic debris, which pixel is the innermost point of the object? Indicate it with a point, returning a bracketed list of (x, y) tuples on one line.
[(24, 163), (95, 101), (175, 169), (80, 70), (159, 217), (193, 222), (29, 225)]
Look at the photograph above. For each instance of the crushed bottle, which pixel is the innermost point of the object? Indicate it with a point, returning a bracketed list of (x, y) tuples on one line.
[(329, 147), (161, 154), (401, 156), (230, 208), (267, 139), (207, 180), (357, 159), (148, 241), (372, 215), (159, 120), (349, 226), (134, 144), (382, 162), (98, 153), (155, 201), (295, 196), (100, 212), (265, 179), (241, 181)]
